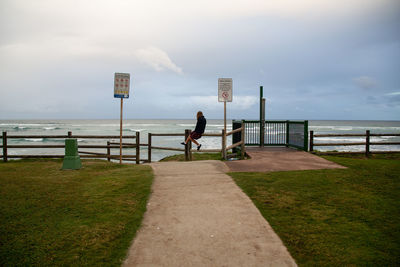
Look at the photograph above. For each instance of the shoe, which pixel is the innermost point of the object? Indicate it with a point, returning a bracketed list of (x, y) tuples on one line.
[(183, 143), (198, 147)]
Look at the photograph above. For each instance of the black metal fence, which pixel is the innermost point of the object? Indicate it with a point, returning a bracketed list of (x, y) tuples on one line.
[(274, 133), (297, 134)]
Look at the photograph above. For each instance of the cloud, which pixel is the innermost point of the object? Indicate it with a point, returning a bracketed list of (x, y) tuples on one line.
[(157, 59), (211, 102), (53, 51), (388, 100), (244, 102), (365, 82), (393, 94), (206, 102), (393, 99)]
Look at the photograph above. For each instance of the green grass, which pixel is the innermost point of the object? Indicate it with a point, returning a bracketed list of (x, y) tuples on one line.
[(348, 217), (87, 217), (362, 156)]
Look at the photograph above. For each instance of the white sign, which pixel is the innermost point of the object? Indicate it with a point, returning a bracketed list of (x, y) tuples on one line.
[(224, 89), (121, 85)]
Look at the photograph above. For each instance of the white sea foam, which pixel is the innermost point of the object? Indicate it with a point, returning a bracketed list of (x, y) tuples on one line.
[(338, 139), (34, 139), (334, 128), (186, 125), (20, 124), (105, 125), (216, 125), (377, 128), (352, 139), (148, 124)]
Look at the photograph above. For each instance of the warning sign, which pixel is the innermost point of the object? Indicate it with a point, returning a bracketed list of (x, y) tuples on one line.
[(121, 85), (225, 90)]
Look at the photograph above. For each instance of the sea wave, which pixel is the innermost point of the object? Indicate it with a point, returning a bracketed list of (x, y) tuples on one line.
[(227, 127), (21, 124), (355, 128), (377, 127), (216, 125), (148, 124), (106, 125), (186, 125), (334, 128), (19, 128), (34, 139), (352, 139)]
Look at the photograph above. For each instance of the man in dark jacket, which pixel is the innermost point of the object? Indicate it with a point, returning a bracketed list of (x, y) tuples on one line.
[(198, 131)]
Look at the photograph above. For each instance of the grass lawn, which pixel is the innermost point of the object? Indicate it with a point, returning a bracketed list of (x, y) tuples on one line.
[(86, 217), (343, 217)]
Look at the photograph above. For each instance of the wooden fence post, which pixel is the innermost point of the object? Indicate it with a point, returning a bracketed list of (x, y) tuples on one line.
[(311, 141), (224, 145), (137, 147), (367, 133), (149, 147), (187, 145), (69, 134), (5, 147), (242, 146), (190, 148), (108, 151)]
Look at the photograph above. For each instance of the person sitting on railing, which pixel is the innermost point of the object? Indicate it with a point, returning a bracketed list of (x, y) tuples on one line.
[(198, 131)]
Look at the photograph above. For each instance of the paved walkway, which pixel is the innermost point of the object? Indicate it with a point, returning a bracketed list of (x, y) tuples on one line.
[(280, 159), (197, 216)]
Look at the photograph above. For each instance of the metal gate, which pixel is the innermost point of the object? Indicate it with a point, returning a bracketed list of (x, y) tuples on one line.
[(274, 133)]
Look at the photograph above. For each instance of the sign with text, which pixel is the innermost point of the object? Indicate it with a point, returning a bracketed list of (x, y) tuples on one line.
[(224, 89), (121, 85)]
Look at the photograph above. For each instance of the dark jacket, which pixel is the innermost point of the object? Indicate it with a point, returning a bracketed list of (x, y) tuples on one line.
[(200, 125)]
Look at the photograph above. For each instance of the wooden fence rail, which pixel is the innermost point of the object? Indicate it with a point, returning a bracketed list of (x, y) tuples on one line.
[(5, 146), (115, 145), (188, 148), (367, 142)]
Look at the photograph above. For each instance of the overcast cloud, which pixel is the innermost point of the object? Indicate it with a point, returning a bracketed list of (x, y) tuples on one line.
[(317, 59)]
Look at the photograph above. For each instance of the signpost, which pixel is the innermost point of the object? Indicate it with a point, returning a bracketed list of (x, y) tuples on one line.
[(121, 90), (224, 95)]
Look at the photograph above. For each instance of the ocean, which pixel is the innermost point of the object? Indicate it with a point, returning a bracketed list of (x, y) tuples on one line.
[(111, 127)]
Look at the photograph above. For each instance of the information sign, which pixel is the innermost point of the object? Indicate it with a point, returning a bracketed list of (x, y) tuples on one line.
[(225, 90), (121, 85)]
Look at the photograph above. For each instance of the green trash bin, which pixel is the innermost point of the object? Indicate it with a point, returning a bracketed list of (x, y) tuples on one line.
[(72, 161)]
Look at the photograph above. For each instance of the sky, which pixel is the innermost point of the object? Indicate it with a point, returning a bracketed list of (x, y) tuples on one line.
[(316, 59)]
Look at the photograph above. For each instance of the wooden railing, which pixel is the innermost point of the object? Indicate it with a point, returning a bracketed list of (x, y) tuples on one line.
[(5, 146), (188, 148), (367, 143), (241, 143), (115, 145)]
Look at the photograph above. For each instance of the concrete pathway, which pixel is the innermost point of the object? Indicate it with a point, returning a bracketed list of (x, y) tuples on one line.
[(280, 159), (197, 216)]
